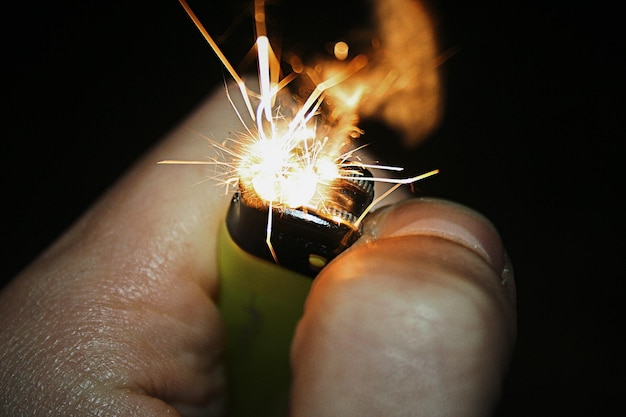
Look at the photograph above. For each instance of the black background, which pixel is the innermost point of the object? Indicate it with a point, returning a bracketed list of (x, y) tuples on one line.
[(532, 137)]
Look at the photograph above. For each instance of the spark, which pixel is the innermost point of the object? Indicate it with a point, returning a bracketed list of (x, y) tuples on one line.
[(290, 154), (268, 233), (341, 50), (220, 55), (401, 181), (398, 183), (178, 162)]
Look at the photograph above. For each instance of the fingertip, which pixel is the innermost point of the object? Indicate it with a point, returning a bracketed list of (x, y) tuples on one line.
[(440, 218), (450, 221)]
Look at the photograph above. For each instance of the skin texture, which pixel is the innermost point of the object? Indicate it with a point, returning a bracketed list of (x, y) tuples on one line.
[(414, 320), (118, 316)]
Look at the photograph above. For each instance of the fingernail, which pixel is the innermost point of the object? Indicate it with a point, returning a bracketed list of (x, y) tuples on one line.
[(441, 218)]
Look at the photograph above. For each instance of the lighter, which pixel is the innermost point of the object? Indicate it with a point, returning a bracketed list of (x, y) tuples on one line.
[(263, 287), (299, 204)]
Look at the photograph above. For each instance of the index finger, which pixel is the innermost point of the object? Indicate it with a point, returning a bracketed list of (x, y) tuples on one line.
[(175, 211), (120, 310)]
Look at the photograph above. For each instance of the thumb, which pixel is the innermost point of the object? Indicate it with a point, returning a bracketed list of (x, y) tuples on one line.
[(416, 319)]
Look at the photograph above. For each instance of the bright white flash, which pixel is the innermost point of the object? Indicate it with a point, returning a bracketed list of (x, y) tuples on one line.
[(285, 160)]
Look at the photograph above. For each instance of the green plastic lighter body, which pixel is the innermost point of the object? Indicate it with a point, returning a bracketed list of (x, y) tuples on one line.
[(261, 304)]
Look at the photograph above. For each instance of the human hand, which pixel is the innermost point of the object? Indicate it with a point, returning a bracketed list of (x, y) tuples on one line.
[(118, 317)]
